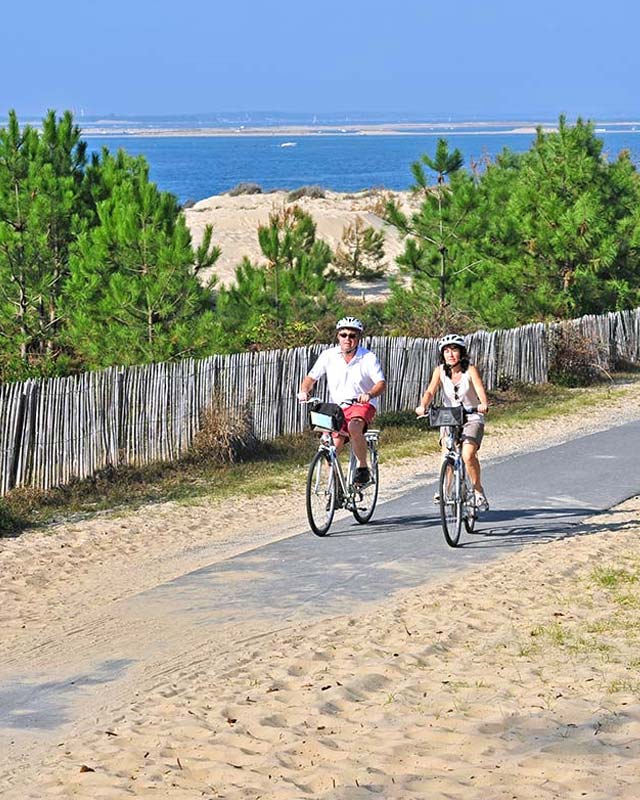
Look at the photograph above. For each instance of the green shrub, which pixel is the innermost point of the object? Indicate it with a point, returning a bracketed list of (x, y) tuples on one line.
[(360, 253), (9, 522), (398, 419)]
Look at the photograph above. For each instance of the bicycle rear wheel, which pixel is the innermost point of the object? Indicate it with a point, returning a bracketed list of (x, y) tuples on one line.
[(366, 497), (450, 503), (321, 494), (470, 510)]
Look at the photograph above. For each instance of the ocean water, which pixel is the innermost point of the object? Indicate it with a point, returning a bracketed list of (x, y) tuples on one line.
[(195, 167)]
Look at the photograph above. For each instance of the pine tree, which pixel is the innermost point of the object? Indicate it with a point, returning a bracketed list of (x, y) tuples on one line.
[(556, 227), (134, 295), (432, 249), (43, 204), (277, 305), (360, 253)]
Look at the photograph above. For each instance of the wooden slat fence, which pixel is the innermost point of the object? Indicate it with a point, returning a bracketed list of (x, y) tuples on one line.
[(53, 431)]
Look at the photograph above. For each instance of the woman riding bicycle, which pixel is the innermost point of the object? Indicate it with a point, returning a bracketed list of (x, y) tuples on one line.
[(461, 385)]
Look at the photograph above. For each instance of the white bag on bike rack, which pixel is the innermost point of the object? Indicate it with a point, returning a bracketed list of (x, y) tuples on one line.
[(326, 417)]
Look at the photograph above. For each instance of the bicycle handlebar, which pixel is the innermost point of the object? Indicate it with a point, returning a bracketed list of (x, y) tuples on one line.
[(349, 402), (470, 410)]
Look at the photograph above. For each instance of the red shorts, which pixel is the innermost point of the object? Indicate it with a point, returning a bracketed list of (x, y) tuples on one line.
[(364, 411)]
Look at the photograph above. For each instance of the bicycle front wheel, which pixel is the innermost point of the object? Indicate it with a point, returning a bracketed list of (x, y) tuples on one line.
[(450, 503), (321, 494), (366, 497)]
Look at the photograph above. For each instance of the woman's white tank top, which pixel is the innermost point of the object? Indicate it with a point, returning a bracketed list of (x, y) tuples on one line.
[(465, 395)]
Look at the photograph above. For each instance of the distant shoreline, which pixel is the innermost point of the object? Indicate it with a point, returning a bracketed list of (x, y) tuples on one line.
[(387, 129)]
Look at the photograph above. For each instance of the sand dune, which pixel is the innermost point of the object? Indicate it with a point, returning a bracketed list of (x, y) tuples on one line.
[(235, 223)]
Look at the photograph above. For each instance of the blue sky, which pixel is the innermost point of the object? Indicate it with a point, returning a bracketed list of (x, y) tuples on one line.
[(465, 58)]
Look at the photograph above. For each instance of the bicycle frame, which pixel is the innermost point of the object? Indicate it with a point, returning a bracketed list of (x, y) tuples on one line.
[(348, 488), (454, 448), (456, 494), (330, 487), (327, 445)]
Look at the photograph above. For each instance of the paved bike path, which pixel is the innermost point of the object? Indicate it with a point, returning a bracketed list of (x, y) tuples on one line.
[(535, 497)]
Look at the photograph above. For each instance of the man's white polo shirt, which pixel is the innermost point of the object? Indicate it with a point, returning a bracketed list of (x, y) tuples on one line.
[(346, 381)]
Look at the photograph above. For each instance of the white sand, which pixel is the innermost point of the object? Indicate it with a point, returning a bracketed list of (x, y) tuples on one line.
[(517, 680)]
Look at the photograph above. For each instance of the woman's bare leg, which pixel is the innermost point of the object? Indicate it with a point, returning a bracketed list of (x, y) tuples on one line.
[(472, 464)]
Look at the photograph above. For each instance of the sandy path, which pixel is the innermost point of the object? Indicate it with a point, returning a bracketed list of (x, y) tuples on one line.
[(69, 578), (517, 680)]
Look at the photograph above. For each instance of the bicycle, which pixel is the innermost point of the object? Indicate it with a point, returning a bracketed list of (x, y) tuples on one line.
[(457, 497), (327, 486)]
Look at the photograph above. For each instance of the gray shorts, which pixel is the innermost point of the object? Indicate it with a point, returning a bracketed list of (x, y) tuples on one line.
[(472, 432)]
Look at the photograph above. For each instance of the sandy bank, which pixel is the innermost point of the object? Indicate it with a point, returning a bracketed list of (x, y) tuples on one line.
[(444, 128), (518, 680)]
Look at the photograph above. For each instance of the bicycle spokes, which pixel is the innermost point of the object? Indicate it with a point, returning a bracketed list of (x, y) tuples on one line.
[(470, 509), (321, 494), (451, 501), (365, 497)]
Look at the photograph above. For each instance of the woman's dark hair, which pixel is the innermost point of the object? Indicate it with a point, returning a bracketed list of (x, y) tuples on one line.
[(464, 360)]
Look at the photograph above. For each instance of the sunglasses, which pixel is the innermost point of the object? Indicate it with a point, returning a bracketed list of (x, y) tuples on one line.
[(347, 335)]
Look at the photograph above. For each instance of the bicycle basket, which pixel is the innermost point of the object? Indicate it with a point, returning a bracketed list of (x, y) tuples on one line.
[(326, 417), (446, 416)]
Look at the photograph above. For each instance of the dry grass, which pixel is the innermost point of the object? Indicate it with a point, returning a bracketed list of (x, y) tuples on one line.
[(225, 436), (227, 460), (575, 358)]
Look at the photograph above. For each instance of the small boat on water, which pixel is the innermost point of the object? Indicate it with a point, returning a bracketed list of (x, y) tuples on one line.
[(288, 144)]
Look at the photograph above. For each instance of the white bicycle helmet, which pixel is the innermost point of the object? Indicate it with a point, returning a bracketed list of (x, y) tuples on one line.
[(451, 338), (349, 322)]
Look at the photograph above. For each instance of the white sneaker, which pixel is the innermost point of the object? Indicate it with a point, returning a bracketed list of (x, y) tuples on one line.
[(436, 499), (482, 504)]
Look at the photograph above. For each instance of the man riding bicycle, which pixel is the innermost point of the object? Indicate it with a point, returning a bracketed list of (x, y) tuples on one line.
[(353, 373)]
